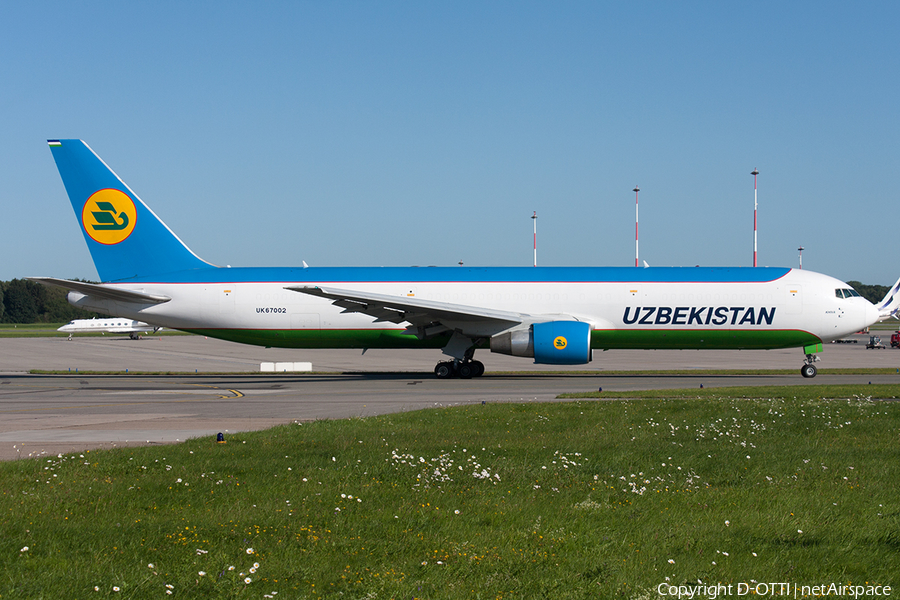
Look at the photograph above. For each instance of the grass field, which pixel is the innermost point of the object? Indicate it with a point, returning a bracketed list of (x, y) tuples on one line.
[(579, 499)]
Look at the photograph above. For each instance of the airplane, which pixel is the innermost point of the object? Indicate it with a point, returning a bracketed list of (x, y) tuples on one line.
[(553, 315), (118, 325)]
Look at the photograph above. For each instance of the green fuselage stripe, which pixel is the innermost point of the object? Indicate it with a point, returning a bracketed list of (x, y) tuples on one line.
[(709, 339), (610, 339)]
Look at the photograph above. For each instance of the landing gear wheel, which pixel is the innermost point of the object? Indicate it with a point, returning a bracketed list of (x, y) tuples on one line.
[(808, 371), (465, 371), (477, 368), (443, 370)]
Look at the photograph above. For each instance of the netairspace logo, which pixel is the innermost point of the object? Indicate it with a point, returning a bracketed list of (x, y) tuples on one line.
[(779, 589)]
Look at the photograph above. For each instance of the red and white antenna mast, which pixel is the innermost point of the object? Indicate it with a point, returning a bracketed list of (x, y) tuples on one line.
[(636, 190), (755, 205), (534, 221)]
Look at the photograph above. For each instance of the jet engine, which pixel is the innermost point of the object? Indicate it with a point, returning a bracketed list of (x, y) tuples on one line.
[(550, 343)]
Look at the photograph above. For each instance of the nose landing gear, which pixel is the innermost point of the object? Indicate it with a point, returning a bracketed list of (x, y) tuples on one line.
[(808, 369)]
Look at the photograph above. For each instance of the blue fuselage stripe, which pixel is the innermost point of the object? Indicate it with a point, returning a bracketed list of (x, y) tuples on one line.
[(470, 275)]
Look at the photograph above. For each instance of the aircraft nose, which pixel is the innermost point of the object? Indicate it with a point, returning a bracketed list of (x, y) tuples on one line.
[(871, 314)]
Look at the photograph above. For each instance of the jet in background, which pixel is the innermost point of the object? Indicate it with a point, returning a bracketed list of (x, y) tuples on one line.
[(118, 325), (554, 315)]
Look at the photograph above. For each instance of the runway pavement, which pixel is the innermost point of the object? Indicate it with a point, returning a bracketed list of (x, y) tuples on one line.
[(64, 413)]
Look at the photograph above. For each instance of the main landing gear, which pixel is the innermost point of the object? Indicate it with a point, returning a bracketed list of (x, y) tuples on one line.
[(465, 369), (809, 369)]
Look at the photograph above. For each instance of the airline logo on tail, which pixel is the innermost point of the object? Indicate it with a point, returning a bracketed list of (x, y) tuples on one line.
[(109, 216)]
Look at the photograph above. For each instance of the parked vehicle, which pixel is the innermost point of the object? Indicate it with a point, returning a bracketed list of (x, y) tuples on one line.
[(875, 342)]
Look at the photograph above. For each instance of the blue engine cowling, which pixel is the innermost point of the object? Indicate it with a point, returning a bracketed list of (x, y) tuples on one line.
[(551, 343), (562, 343)]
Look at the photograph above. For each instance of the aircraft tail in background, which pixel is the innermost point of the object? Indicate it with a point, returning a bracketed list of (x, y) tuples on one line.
[(890, 304), (125, 237)]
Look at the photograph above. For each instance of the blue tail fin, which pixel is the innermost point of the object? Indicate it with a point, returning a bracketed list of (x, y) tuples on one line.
[(125, 237)]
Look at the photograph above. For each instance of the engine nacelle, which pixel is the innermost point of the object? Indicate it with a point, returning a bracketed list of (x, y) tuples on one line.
[(551, 343)]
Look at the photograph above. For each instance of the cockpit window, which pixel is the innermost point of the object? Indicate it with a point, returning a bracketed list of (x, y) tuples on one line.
[(846, 293)]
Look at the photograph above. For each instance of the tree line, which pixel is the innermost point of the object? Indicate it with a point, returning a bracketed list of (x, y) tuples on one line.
[(23, 301), (872, 293)]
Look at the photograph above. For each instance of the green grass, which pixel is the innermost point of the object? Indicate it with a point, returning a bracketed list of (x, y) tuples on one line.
[(776, 392), (581, 499)]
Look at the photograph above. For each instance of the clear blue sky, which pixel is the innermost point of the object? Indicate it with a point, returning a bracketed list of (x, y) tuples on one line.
[(425, 133)]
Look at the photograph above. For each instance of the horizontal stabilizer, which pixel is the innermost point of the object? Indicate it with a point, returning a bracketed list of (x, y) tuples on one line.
[(104, 292)]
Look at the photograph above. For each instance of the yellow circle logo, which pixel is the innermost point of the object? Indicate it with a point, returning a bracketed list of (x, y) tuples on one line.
[(560, 343), (109, 216)]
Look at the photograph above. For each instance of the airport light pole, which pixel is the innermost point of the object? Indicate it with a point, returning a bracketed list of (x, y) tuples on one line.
[(636, 190), (755, 206), (800, 250), (534, 221)]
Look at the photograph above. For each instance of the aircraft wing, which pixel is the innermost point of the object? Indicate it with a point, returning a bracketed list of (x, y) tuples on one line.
[(104, 292), (427, 316)]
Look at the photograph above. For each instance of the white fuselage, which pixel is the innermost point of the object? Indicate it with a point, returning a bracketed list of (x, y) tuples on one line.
[(799, 302)]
